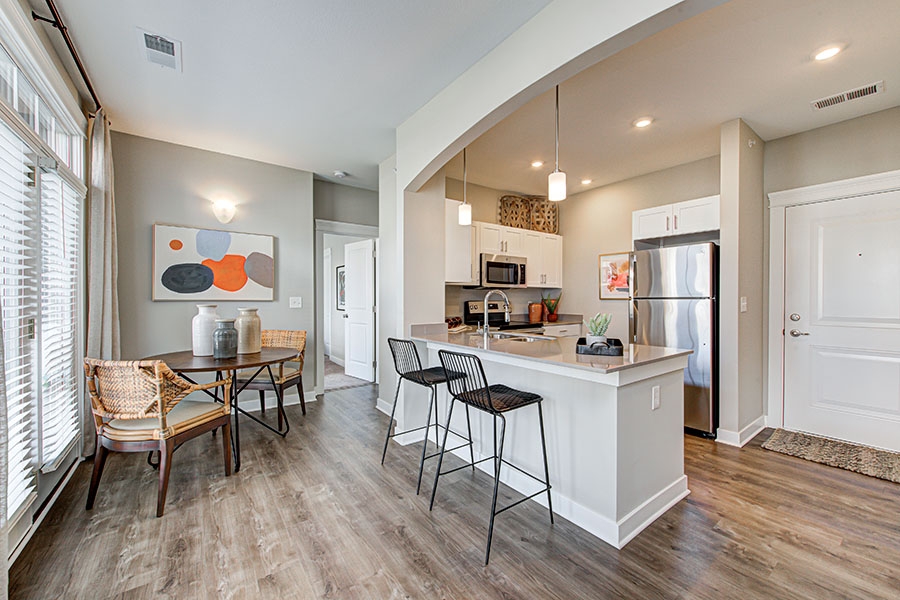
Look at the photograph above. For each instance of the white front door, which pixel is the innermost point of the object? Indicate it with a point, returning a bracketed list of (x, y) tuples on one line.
[(359, 330), (327, 299), (842, 319)]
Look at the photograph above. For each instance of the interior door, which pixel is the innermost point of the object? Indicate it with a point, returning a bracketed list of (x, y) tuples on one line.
[(359, 329), (327, 300), (842, 320)]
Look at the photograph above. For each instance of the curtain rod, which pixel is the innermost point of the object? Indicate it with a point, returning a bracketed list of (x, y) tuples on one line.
[(56, 21)]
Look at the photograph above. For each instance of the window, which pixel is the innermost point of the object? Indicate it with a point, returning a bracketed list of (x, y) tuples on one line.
[(19, 300)]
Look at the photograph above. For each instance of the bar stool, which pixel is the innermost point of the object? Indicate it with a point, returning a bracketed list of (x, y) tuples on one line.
[(409, 368), (472, 389)]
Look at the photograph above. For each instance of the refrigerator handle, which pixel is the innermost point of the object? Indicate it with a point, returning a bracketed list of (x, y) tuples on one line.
[(632, 279), (633, 322)]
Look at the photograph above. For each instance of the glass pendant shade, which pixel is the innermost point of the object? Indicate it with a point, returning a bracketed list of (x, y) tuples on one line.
[(556, 184), (465, 214)]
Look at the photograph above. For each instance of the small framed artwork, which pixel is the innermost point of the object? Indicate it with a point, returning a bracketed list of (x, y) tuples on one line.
[(340, 293), (615, 276)]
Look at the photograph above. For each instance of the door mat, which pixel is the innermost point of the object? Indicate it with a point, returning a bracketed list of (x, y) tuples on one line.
[(874, 462)]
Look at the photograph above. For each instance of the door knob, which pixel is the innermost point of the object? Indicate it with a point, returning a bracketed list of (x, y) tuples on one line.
[(798, 333)]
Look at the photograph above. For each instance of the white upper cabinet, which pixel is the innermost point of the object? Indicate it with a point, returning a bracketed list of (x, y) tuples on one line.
[(651, 222), (697, 215), (551, 260), (459, 246), (690, 216), (531, 250), (511, 241), (489, 238)]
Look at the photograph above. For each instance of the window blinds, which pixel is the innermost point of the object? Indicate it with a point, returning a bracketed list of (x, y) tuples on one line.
[(19, 301), (60, 229)]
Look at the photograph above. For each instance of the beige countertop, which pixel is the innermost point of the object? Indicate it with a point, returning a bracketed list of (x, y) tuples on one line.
[(556, 350)]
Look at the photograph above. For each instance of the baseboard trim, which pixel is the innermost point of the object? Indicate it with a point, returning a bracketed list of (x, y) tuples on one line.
[(338, 361), (614, 533), (384, 406), (740, 438)]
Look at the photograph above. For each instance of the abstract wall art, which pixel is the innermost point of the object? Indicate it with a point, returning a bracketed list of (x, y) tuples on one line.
[(340, 292), (615, 274), (190, 263)]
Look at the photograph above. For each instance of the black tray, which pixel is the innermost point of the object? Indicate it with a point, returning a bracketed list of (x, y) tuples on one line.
[(613, 347)]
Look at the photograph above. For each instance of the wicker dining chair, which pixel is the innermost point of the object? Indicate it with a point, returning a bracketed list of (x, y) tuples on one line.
[(140, 406), (285, 377)]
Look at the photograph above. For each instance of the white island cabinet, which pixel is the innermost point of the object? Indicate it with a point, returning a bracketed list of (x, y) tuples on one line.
[(614, 426)]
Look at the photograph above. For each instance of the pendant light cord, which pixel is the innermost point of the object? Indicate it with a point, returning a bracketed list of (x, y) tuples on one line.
[(464, 176), (557, 128)]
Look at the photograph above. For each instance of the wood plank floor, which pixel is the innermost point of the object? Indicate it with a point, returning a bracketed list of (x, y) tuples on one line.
[(315, 515)]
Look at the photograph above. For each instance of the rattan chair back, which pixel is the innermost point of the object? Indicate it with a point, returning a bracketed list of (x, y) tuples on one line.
[(286, 338)]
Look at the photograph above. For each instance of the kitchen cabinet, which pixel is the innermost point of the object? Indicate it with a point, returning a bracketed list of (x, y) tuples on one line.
[(690, 216), (544, 254), (511, 241), (543, 251), (489, 238), (459, 247), (573, 330), (531, 250)]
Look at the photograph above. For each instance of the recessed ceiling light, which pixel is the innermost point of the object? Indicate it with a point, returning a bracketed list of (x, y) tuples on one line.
[(586, 181), (537, 163), (826, 53), (642, 122), (341, 174)]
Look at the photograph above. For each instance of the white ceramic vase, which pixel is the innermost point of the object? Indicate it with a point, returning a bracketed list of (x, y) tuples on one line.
[(249, 331), (202, 326), (595, 339)]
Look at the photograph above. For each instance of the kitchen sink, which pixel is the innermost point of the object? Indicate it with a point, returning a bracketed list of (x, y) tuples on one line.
[(517, 337)]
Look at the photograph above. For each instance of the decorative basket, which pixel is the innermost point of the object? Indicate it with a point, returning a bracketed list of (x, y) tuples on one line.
[(536, 214)]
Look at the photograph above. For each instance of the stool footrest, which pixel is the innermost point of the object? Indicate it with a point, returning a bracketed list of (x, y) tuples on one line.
[(451, 450), (506, 462), (517, 502), (467, 465)]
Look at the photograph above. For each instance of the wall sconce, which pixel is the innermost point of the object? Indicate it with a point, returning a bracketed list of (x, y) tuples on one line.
[(224, 210)]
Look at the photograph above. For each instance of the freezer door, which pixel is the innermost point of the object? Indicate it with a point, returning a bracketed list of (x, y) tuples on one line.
[(686, 324), (676, 272)]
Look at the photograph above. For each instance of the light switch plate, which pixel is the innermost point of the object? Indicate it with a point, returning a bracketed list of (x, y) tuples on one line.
[(743, 303), (654, 397), (296, 302)]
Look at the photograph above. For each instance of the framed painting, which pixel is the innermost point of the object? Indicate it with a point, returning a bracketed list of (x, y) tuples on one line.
[(190, 263), (340, 292), (615, 276)]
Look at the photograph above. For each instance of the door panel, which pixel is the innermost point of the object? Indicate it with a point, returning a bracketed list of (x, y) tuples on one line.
[(512, 241), (531, 250), (686, 324), (359, 330), (489, 238), (842, 284), (651, 222), (551, 250), (692, 216)]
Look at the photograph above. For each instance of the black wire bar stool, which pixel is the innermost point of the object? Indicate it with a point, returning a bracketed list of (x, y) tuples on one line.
[(409, 368), (472, 389)]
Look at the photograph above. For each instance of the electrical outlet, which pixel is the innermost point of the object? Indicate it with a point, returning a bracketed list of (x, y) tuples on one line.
[(743, 303), (654, 398), (296, 302)]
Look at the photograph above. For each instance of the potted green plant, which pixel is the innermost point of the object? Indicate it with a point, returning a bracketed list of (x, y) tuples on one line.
[(597, 328), (552, 305)]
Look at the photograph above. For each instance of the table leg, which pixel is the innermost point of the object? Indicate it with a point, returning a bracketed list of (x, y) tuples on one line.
[(279, 394), (235, 429)]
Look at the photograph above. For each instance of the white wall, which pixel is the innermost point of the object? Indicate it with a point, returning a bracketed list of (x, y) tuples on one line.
[(598, 221), (390, 274), (336, 244), (158, 182)]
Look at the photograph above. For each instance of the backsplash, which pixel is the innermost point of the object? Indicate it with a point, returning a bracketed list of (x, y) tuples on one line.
[(519, 298)]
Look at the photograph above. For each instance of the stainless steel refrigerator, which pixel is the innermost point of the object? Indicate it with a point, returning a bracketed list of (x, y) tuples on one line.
[(673, 304)]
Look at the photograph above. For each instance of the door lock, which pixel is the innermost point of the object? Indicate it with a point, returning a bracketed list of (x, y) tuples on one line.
[(798, 333), (795, 317)]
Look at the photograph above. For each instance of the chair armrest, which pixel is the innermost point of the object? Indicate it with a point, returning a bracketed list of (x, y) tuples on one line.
[(214, 384)]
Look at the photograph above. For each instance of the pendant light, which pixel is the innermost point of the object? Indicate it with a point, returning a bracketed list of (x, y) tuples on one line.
[(556, 181), (465, 209)]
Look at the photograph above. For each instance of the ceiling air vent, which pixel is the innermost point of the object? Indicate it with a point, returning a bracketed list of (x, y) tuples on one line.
[(160, 50), (860, 92)]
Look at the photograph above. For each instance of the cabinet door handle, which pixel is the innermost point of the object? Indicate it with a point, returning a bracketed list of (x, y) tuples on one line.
[(676, 221), (667, 223)]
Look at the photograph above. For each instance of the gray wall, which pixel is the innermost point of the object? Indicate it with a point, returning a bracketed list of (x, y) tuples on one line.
[(158, 182), (598, 221), (335, 202), (861, 146)]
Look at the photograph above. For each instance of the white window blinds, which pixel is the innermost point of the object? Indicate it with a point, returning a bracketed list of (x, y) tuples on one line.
[(60, 231), (19, 299)]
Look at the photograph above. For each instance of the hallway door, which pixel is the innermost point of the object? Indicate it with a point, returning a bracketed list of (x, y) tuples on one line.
[(359, 328)]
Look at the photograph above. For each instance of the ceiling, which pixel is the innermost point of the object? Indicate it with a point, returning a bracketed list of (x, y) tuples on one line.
[(747, 58), (314, 85)]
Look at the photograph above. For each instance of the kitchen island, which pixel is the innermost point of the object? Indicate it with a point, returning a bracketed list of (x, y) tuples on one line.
[(614, 425)]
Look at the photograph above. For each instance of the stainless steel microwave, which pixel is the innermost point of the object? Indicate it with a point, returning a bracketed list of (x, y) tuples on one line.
[(501, 271)]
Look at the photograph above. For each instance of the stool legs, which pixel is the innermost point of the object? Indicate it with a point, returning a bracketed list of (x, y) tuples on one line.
[(546, 469), (387, 436), (471, 443), (497, 463), (437, 474), (431, 407)]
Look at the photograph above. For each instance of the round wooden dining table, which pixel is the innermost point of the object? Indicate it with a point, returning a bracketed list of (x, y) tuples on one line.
[(184, 361)]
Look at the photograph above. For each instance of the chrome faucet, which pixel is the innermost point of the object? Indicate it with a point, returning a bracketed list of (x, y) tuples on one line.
[(486, 326)]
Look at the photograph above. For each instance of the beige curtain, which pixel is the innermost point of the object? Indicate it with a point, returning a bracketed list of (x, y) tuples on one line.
[(102, 262), (4, 540)]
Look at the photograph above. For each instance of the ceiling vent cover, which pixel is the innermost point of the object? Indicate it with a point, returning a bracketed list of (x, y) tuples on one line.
[(161, 50), (854, 94)]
